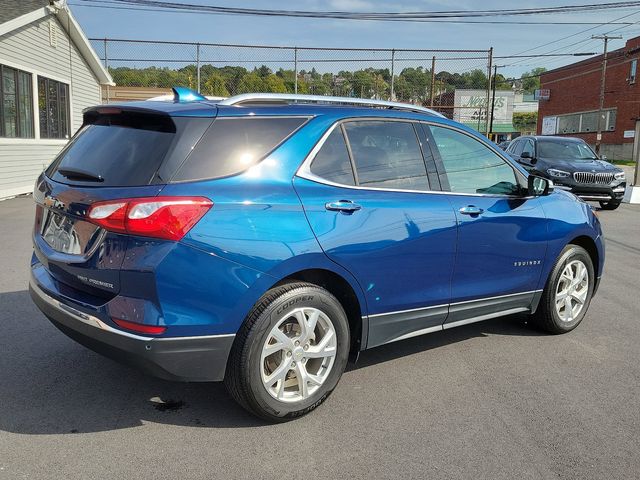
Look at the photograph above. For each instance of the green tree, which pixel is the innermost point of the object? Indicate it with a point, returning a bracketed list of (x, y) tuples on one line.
[(251, 83), (263, 71), (531, 80), (215, 85), (362, 82), (274, 84), (319, 87), (380, 87), (503, 83), (413, 84)]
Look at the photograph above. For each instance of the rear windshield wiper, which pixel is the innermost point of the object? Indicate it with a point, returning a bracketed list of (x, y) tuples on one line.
[(78, 174)]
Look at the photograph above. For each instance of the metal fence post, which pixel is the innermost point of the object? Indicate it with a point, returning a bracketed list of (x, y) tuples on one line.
[(433, 81), (393, 58), (106, 66), (489, 67), (198, 64), (295, 70)]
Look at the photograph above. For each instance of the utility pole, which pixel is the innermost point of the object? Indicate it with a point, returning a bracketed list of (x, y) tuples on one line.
[(489, 68), (493, 98), (603, 77), (433, 80)]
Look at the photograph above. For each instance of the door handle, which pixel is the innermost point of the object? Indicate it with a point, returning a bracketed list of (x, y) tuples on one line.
[(346, 206), (471, 210)]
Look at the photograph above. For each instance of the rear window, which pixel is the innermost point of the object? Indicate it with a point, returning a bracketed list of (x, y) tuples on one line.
[(120, 149), (332, 161), (232, 145)]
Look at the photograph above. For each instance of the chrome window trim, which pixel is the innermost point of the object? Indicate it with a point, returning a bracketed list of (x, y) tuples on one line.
[(304, 171)]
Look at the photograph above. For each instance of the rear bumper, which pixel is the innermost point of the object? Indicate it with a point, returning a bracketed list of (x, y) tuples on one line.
[(190, 359)]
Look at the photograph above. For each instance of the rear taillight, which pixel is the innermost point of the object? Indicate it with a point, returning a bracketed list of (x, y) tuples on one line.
[(168, 218)]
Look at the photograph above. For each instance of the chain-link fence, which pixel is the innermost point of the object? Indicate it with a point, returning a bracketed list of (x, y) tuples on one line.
[(454, 82)]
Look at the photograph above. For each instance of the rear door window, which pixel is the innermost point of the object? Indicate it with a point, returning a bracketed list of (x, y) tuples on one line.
[(516, 148), (387, 154), (232, 145)]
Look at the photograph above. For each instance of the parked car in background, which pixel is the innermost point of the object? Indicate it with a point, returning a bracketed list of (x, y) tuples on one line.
[(572, 165), (504, 145), (263, 239)]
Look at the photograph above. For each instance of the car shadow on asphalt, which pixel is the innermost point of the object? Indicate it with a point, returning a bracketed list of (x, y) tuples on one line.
[(51, 385)]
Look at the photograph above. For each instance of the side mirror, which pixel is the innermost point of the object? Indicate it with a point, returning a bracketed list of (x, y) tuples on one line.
[(526, 155), (538, 186)]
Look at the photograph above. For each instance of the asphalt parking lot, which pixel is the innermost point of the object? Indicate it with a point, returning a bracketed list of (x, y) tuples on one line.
[(491, 400)]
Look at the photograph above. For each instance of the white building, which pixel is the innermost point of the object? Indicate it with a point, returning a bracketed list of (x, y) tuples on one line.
[(525, 103), (48, 74)]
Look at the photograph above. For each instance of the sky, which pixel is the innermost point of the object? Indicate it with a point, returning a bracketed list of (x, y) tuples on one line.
[(505, 39)]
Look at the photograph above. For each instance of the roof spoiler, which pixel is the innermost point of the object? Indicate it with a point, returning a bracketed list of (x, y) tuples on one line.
[(183, 94)]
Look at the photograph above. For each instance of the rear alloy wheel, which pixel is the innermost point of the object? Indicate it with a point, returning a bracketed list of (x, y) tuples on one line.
[(568, 292), (610, 205), (298, 355), (290, 352)]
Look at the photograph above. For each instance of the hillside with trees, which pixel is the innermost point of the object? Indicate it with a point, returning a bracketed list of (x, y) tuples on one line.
[(410, 84)]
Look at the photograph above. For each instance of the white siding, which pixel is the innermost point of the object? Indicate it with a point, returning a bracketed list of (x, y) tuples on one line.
[(28, 48)]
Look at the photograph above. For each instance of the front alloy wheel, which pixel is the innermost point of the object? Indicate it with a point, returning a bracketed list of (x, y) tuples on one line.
[(572, 290), (567, 294)]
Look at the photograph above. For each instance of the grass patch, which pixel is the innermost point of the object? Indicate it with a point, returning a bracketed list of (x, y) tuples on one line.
[(628, 163)]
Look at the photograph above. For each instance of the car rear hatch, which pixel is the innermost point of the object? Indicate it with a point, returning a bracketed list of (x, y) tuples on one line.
[(119, 153)]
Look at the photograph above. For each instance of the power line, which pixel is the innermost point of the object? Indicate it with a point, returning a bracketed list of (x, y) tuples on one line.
[(451, 16), (554, 42), (584, 63), (587, 40)]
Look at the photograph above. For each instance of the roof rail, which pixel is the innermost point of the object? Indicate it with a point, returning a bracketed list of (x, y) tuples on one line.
[(270, 98)]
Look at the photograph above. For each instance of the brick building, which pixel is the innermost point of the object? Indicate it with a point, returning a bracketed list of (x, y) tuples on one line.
[(572, 107)]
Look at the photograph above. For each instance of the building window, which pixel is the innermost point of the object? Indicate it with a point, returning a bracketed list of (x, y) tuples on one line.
[(53, 107), (633, 70), (16, 103), (586, 122)]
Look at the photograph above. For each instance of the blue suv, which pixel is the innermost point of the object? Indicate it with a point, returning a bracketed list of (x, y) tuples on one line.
[(265, 239)]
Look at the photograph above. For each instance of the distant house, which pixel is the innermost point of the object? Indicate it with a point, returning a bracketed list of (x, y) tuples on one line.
[(48, 74)]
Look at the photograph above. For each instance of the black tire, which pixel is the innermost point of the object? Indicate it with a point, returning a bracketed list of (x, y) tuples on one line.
[(546, 316), (610, 205), (243, 375)]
